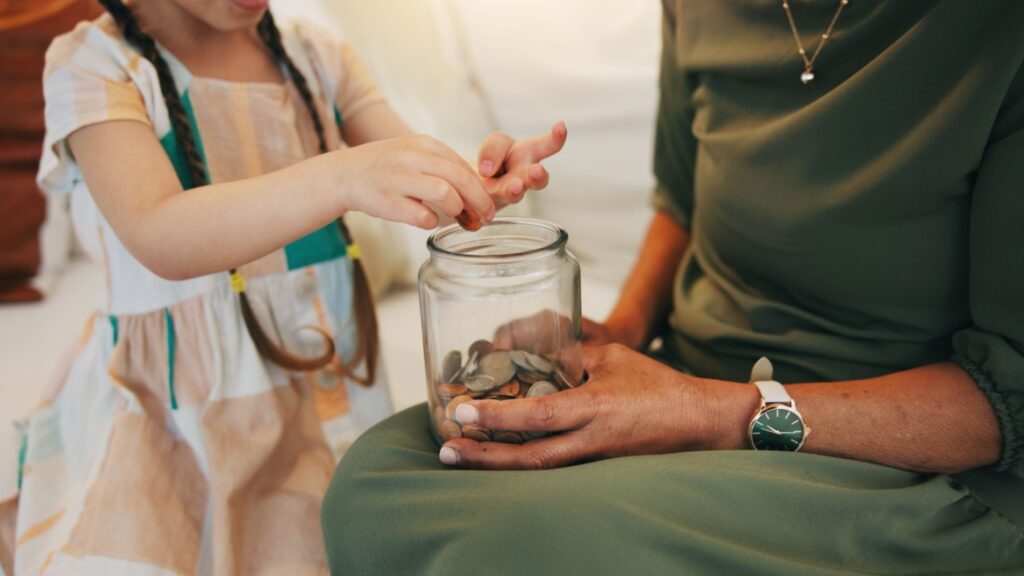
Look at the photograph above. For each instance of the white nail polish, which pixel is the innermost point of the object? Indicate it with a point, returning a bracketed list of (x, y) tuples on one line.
[(449, 456), (466, 414)]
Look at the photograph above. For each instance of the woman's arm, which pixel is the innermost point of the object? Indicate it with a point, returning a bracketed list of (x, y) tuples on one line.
[(181, 234), (646, 297), (929, 419)]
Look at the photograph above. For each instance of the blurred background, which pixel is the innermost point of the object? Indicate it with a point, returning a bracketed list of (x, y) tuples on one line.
[(454, 69)]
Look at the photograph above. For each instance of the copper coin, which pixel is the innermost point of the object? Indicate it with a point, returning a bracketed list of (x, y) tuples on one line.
[(510, 389), (450, 390), (508, 437), (469, 220), (449, 430), (475, 433), (481, 348), (449, 410)]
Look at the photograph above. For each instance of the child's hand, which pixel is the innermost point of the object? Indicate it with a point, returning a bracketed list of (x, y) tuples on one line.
[(512, 167), (398, 178)]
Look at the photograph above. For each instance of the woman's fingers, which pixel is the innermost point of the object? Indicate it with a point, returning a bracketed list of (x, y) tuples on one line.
[(493, 152), (542, 453), (566, 410)]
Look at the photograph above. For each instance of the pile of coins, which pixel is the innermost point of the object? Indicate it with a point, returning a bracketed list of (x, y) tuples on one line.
[(492, 374)]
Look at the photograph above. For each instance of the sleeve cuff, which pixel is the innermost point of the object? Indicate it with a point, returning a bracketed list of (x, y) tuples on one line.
[(1013, 443), (661, 200)]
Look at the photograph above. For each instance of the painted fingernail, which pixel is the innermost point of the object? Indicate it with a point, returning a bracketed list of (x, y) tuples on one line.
[(486, 168), (466, 414), (449, 456)]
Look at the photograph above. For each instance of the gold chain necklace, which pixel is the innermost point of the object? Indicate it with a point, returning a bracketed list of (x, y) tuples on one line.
[(808, 73)]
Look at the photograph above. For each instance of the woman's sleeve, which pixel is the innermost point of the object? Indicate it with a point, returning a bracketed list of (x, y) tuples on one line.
[(86, 81), (991, 350), (674, 145)]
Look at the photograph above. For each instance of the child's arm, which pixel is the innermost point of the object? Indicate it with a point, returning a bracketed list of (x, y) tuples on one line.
[(182, 234), (509, 167)]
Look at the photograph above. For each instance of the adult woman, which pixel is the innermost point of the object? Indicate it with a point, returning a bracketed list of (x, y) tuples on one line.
[(857, 225)]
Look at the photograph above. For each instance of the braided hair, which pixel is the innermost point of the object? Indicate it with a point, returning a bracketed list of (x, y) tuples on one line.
[(367, 349)]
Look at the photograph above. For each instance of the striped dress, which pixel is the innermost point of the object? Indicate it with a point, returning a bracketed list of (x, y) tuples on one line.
[(167, 444)]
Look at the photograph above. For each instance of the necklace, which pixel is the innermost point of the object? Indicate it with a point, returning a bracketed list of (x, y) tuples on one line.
[(808, 73)]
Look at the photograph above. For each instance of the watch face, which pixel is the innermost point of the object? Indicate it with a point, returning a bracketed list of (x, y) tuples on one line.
[(777, 428)]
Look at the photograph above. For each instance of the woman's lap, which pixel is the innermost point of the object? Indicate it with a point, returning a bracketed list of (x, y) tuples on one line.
[(394, 509)]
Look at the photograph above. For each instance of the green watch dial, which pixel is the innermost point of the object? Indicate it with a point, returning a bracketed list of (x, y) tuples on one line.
[(778, 428)]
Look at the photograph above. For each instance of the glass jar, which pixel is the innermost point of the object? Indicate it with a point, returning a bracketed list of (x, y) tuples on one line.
[(500, 310)]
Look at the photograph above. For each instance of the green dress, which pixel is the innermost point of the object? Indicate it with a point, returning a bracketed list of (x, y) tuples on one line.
[(868, 222)]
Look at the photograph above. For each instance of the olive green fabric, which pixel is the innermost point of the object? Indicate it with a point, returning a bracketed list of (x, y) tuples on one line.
[(393, 509), (868, 222)]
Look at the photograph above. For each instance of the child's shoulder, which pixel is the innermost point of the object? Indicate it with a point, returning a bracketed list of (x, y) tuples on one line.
[(97, 45)]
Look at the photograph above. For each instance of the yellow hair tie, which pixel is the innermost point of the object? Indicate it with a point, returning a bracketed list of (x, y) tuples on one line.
[(237, 281), (354, 252)]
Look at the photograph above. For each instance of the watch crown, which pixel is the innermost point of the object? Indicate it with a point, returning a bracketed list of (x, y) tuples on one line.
[(762, 370)]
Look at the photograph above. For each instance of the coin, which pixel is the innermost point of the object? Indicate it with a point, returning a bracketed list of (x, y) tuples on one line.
[(439, 416), (481, 383), (449, 430), (518, 358), (450, 390), (475, 433), (542, 388), (539, 363), (508, 437), (481, 348), (530, 376), (498, 366), (469, 220), (449, 410), (451, 365), (511, 389)]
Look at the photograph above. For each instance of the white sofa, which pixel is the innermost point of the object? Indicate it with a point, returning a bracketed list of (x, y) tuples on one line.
[(456, 69)]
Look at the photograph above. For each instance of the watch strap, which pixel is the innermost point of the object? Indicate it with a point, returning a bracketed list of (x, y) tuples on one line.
[(773, 393)]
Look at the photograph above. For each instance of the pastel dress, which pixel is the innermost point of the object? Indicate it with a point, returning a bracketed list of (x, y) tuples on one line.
[(167, 444)]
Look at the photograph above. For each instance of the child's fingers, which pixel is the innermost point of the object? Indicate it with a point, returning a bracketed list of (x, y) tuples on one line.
[(437, 192), (493, 152), (542, 147), (407, 211), (466, 183)]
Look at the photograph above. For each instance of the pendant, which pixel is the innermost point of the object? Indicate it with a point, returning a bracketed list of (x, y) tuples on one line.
[(807, 76)]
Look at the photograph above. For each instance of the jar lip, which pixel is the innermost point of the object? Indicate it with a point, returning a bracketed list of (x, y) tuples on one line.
[(561, 237)]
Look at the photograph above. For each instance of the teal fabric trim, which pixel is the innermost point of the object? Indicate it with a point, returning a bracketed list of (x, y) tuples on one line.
[(22, 454), (170, 358), (174, 151), (1013, 444), (338, 119), (320, 246), (115, 326)]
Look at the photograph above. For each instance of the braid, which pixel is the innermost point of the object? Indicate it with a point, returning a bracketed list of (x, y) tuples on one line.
[(271, 36), (197, 171), (368, 346), (175, 109)]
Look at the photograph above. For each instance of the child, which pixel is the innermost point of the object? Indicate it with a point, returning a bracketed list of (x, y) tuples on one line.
[(199, 420)]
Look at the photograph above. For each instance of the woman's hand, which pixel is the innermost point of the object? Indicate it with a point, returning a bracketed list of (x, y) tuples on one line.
[(612, 332), (510, 167), (630, 405), (402, 178)]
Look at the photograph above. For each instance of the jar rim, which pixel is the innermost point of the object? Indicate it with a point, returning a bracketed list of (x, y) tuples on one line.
[(560, 239)]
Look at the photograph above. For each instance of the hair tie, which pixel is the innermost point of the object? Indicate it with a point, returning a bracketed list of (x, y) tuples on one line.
[(353, 251), (237, 281)]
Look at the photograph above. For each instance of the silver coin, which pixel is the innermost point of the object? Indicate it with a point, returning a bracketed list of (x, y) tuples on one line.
[(518, 358), (481, 383), (539, 363), (450, 366), (542, 388), (497, 365)]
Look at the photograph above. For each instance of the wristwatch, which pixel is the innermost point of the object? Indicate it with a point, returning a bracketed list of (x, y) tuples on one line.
[(776, 425)]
